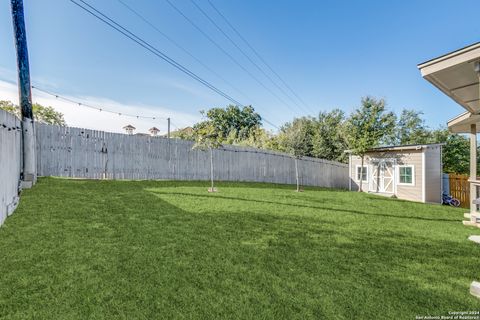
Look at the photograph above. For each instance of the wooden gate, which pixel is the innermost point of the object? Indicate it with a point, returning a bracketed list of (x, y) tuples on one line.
[(460, 188)]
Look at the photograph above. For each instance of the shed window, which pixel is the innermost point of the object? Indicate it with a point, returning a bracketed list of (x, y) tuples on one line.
[(405, 175), (362, 175)]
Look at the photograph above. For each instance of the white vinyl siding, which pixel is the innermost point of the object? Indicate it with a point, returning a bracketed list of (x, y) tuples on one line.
[(403, 157)]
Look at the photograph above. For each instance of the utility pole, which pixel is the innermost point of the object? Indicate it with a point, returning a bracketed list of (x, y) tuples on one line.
[(168, 131), (29, 175)]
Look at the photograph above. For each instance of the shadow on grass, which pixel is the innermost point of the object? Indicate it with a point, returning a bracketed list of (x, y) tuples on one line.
[(220, 184), (115, 249), (400, 271), (297, 205)]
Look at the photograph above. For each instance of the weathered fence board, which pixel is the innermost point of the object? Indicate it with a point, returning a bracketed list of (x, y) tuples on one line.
[(82, 153), (10, 163)]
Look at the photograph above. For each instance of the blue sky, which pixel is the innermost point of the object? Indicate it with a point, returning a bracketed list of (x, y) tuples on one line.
[(330, 52)]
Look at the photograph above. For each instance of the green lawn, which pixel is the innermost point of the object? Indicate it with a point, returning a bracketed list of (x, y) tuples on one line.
[(79, 249)]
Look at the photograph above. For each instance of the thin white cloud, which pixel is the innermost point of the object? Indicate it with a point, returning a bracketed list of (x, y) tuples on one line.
[(192, 90), (83, 117), (6, 74)]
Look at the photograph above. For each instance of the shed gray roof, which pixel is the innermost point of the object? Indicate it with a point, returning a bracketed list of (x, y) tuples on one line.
[(406, 147), (402, 147)]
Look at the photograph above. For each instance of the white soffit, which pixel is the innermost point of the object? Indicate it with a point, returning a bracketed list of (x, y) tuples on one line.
[(455, 76), (462, 122)]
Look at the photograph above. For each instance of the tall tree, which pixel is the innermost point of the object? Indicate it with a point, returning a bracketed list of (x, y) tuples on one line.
[(455, 152), (328, 140), (260, 138), (186, 133), (367, 126), (47, 115), (439, 135), (296, 139), (10, 107), (40, 113), (411, 128), (233, 121)]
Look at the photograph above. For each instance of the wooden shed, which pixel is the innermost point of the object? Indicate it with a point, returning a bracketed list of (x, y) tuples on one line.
[(410, 172)]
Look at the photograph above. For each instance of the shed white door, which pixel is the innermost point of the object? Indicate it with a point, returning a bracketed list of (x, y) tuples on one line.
[(382, 177)]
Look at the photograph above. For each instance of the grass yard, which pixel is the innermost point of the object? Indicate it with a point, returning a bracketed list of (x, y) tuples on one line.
[(79, 249)]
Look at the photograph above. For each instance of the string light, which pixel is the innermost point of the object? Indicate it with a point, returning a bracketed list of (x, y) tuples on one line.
[(100, 109)]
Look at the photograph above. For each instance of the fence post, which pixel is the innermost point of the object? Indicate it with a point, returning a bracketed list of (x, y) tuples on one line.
[(168, 128)]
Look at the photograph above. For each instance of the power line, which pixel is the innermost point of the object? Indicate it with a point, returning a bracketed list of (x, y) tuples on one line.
[(157, 52), (258, 55), (151, 48), (244, 53), (176, 44), (228, 55), (268, 122)]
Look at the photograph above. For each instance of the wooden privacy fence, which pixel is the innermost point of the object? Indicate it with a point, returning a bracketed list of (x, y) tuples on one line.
[(459, 188), (82, 153), (10, 163)]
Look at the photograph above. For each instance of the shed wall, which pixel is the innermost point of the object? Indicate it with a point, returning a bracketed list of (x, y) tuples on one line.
[(433, 174), (354, 162), (408, 157), (415, 192)]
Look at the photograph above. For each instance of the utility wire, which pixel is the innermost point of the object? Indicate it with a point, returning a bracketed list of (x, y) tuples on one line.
[(97, 14), (258, 55), (156, 52), (176, 44), (228, 55), (245, 54)]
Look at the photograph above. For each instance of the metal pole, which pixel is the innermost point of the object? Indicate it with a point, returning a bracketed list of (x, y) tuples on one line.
[(296, 173), (25, 94), (168, 132), (211, 168)]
